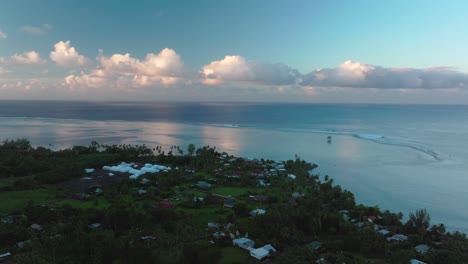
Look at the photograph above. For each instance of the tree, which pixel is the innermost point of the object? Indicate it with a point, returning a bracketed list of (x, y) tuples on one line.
[(241, 209), (191, 149), (419, 221)]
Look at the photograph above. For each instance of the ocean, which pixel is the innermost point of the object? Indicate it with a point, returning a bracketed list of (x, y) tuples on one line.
[(399, 157)]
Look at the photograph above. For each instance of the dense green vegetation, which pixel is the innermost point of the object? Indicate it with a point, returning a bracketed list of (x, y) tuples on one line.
[(48, 206)]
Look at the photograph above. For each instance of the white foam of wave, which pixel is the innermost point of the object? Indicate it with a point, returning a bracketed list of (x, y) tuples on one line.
[(226, 125), (383, 140)]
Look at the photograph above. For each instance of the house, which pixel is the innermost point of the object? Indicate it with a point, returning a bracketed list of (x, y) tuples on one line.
[(292, 176), (257, 212), (229, 203), (314, 245), (166, 205), (95, 226), (383, 232), (4, 256), (263, 252), (397, 237), (244, 243), (203, 185), (259, 253), (147, 238), (7, 219), (422, 248), (261, 183), (198, 199), (260, 198), (214, 225), (415, 261), (22, 244), (371, 218), (297, 195), (36, 227)]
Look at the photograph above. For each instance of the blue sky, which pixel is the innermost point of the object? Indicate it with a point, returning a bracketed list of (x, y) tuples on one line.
[(304, 51)]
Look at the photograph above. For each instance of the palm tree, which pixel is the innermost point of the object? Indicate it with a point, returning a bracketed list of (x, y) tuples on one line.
[(420, 220)]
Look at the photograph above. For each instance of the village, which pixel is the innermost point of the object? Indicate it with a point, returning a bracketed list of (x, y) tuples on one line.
[(209, 207)]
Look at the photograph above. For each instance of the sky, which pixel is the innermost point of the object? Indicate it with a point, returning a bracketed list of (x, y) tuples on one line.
[(330, 51)]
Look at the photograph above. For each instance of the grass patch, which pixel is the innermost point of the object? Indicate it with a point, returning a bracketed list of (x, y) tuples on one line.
[(233, 255), (10, 180), (234, 191), (10, 201), (205, 214), (202, 174), (196, 193)]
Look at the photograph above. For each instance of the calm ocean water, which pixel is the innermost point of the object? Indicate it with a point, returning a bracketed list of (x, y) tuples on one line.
[(400, 157)]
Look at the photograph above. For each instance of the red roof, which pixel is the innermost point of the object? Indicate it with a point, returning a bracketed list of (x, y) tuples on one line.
[(372, 217), (166, 205)]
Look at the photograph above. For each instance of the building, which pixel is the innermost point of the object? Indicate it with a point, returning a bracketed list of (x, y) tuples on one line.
[(244, 243), (263, 252), (166, 205), (229, 203), (257, 212)]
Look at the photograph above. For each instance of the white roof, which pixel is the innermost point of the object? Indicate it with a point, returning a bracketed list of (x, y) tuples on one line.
[(259, 253), (415, 261), (422, 248), (398, 237), (269, 247), (5, 255), (257, 212), (242, 240), (383, 232)]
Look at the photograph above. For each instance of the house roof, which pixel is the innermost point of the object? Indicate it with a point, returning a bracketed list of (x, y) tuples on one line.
[(422, 248), (257, 212), (166, 204), (242, 240), (314, 245), (398, 237), (259, 253), (229, 203), (269, 247)]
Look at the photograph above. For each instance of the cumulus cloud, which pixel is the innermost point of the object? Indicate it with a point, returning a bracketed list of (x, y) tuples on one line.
[(166, 63), (42, 29), (3, 35), (123, 71), (94, 79), (361, 75), (238, 69), (66, 56), (28, 58)]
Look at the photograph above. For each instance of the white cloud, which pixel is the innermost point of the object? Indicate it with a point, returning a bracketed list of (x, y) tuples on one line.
[(96, 78), (28, 57), (123, 71), (238, 69), (42, 29), (166, 63), (361, 75), (66, 56), (3, 35)]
